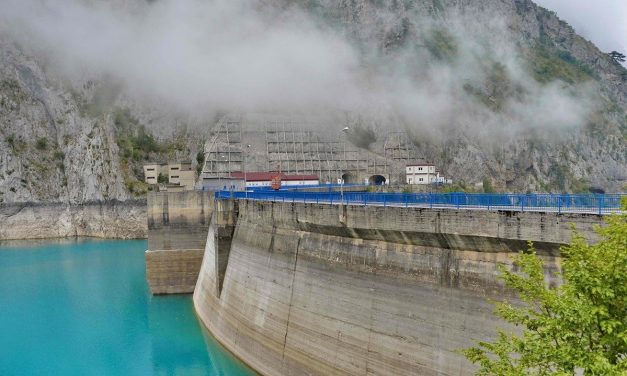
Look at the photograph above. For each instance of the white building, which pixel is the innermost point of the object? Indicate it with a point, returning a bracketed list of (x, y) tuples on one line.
[(420, 173), (178, 176), (424, 173)]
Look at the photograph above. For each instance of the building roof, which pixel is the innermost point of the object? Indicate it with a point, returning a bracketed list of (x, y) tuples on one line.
[(420, 164), (268, 176)]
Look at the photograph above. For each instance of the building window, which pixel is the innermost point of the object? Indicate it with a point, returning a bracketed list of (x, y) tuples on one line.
[(175, 177), (420, 179), (419, 168)]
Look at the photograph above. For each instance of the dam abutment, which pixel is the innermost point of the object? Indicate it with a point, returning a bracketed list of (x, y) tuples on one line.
[(177, 231)]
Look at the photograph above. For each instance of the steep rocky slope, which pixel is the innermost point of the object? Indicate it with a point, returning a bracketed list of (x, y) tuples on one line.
[(500, 65), (70, 157), (532, 45)]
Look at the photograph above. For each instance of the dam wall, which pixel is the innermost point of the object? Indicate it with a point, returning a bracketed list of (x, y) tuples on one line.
[(319, 289), (177, 231)]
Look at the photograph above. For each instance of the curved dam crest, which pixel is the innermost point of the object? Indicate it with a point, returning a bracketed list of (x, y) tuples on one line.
[(293, 288)]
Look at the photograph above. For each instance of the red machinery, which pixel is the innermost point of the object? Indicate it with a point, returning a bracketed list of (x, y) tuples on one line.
[(276, 182)]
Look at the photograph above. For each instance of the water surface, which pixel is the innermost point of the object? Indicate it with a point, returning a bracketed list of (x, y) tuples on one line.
[(82, 307)]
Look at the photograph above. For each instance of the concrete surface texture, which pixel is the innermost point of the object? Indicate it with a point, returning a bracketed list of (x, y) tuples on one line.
[(323, 290), (177, 232)]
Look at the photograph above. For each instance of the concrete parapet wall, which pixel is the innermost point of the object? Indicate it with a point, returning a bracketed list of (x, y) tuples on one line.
[(178, 220), (328, 289), (177, 233)]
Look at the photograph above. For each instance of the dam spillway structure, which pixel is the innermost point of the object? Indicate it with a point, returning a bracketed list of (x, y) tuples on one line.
[(297, 288)]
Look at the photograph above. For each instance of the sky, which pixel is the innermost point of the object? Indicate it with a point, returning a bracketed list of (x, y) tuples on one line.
[(604, 22)]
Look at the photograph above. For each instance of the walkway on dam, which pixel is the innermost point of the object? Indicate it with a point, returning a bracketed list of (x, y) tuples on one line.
[(554, 203)]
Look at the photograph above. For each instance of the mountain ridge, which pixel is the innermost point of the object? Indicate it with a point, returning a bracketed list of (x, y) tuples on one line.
[(64, 140)]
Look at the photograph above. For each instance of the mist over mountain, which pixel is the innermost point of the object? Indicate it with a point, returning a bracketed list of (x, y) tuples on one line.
[(502, 90)]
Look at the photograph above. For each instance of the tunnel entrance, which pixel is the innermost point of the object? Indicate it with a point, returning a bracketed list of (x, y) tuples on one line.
[(349, 178), (377, 180)]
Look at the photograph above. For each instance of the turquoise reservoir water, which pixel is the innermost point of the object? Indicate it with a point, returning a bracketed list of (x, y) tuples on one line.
[(82, 307)]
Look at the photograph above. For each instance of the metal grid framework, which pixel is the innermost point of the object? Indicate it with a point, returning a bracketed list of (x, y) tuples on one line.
[(291, 146), (398, 147), (223, 153)]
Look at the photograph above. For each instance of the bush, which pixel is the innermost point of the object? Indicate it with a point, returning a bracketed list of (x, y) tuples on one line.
[(487, 186), (42, 144), (578, 327), (162, 179)]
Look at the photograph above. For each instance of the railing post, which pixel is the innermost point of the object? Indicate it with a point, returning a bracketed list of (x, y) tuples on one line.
[(384, 200), (559, 204), (430, 200), (489, 201), (522, 203), (600, 204), (457, 200)]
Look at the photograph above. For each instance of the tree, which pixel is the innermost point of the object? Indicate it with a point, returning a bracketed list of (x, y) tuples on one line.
[(579, 326), (162, 178), (617, 56), (487, 185)]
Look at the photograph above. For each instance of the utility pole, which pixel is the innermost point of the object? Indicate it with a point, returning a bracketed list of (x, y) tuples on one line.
[(244, 168)]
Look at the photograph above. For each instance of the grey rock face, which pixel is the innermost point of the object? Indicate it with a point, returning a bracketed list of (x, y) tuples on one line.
[(50, 149), (58, 145)]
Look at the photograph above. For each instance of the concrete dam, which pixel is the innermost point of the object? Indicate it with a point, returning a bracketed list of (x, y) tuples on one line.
[(321, 289)]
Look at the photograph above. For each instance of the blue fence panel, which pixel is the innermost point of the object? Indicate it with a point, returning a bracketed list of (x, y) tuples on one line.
[(592, 203)]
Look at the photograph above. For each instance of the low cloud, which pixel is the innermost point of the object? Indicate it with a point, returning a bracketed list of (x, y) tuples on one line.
[(238, 55)]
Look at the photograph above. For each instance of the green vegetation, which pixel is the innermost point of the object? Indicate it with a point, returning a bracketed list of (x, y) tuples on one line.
[(579, 327), (137, 146), (13, 91), (459, 186), (162, 178), (16, 144), (617, 56), (562, 178), (42, 144), (487, 185), (132, 138), (547, 64), (200, 160), (136, 187), (441, 44)]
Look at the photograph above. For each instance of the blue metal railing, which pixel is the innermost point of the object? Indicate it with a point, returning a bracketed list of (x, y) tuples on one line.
[(589, 203)]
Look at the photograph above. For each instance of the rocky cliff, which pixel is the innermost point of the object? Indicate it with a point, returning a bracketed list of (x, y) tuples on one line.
[(508, 93), (501, 54), (71, 156)]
